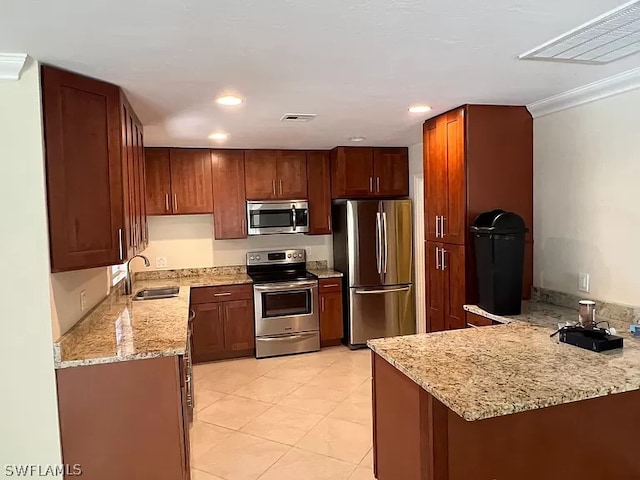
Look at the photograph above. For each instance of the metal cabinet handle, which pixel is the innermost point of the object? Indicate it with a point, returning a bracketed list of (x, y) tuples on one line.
[(442, 219), (437, 258), (329, 222), (322, 304), (444, 257), (281, 187), (166, 203), (225, 294), (437, 226), (331, 285), (273, 187), (175, 202), (378, 184), (120, 250), (371, 184)]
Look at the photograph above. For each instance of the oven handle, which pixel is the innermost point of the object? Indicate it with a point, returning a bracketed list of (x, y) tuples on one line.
[(274, 287), (286, 338)]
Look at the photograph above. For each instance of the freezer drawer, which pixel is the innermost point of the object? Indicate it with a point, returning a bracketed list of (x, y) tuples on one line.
[(381, 312), (286, 344)]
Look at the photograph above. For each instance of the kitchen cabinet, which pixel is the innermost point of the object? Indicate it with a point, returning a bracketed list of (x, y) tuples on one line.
[(360, 172), (223, 324), (179, 181), (276, 174), (319, 190), (229, 204), (93, 145), (331, 323), (476, 158), (446, 279), (136, 412), (474, 320)]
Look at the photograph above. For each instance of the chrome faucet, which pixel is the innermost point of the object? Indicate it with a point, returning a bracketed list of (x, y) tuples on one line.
[(127, 278)]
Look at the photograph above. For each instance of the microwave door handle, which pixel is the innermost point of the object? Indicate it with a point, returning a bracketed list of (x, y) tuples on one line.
[(293, 216)]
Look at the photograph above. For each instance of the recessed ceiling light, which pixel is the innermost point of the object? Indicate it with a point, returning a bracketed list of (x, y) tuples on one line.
[(219, 136), (229, 100), (419, 108), (357, 139)]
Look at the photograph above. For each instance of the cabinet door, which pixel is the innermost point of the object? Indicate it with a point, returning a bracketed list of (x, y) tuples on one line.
[(455, 286), (84, 171), (391, 172), (435, 288), (191, 180), (319, 182), (229, 204), (128, 179), (292, 174), (352, 172), (142, 185), (331, 326), (260, 173), (435, 176), (455, 218), (239, 333), (208, 331), (158, 179)]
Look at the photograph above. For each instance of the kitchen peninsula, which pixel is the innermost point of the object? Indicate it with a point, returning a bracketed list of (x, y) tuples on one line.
[(504, 402)]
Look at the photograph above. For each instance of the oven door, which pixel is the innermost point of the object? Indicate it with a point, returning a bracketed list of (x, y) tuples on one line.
[(277, 217), (282, 308)]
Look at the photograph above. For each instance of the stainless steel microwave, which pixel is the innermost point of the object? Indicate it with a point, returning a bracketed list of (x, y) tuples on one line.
[(288, 216)]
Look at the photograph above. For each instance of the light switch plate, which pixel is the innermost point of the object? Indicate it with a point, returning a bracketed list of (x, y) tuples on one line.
[(583, 282), (161, 262), (83, 300)]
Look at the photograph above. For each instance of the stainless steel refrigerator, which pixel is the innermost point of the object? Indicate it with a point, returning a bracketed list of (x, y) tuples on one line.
[(372, 246)]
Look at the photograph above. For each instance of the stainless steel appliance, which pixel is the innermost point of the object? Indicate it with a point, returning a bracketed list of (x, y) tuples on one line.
[(266, 218), (285, 302), (372, 246)]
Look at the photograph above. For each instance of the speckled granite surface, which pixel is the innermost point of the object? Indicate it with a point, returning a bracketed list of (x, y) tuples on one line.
[(325, 273), (487, 372), (121, 329)]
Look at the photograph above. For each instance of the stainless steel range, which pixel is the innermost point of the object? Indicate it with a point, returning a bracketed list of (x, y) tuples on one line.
[(286, 303)]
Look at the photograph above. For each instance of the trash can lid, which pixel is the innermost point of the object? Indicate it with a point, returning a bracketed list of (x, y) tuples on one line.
[(499, 222)]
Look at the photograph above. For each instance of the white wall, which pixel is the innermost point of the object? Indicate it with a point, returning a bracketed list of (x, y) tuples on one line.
[(187, 241), (28, 404), (416, 177), (587, 198), (66, 308)]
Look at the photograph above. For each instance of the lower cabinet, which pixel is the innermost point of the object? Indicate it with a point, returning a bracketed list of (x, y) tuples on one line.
[(331, 324), (445, 277), (223, 322), (474, 320)]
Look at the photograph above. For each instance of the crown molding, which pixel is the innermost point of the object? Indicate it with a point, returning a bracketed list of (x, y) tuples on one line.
[(620, 83), (11, 65)]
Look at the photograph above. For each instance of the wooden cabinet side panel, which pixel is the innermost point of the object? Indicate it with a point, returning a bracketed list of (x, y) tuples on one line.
[(260, 170), (319, 192), (85, 198), (158, 180), (123, 420), (292, 174), (191, 180), (500, 168), (229, 205)]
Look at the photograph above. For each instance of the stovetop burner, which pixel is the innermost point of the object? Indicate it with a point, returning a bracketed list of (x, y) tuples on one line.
[(277, 266), (277, 277)]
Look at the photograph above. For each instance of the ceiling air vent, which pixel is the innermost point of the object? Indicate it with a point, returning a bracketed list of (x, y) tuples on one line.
[(298, 117), (611, 36)]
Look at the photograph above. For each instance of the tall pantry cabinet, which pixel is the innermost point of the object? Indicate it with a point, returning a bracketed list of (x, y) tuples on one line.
[(476, 158)]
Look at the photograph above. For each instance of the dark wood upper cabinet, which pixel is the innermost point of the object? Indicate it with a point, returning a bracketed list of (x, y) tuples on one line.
[(360, 172), (292, 174), (84, 170), (158, 177), (435, 177), (260, 170), (229, 206), (319, 190), (391, 171), (276, 174), (191, 180)]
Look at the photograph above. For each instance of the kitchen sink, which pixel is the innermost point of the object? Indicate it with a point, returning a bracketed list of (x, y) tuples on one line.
[(157, 293)]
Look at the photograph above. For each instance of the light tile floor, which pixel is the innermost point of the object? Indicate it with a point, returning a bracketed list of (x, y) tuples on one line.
[(285, 418)]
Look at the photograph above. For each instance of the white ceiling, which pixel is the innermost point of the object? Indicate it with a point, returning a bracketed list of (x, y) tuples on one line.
[(358, 64)]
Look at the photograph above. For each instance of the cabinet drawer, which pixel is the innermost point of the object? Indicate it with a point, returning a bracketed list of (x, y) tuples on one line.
[(330, 285), (221, 294)]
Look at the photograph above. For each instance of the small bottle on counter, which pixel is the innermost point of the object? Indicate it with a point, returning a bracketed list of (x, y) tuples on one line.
[(587, 313)]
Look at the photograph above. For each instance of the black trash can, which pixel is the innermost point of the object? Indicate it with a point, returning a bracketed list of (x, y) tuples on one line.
[(499, 250)]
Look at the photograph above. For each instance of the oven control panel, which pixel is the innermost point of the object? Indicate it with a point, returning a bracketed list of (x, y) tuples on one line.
[(276, 257)]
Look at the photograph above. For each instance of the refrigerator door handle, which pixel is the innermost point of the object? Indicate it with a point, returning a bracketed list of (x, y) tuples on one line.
[(378, 243), (386, 243), (390, 290)]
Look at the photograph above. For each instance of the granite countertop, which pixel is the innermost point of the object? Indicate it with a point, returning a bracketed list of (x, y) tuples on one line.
[(120, 329), (486, 372), (325, 273)]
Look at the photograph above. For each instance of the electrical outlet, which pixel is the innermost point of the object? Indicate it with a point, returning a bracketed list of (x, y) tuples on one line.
[(583, 282), (161, 262), (83, 300)]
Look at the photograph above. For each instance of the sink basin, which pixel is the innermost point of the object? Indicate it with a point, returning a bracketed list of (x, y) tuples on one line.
[(157, 293)]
